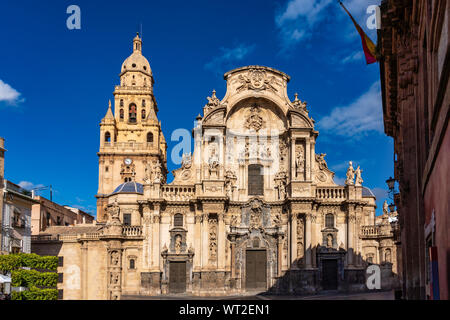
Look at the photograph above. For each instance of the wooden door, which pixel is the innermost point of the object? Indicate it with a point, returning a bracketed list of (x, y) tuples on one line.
[(177, 277), (256, 269)]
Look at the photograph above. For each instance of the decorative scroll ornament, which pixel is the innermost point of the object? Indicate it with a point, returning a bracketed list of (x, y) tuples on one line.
[(299, 105), (213, 102), (254, 121), (257, 80), (255, 215)]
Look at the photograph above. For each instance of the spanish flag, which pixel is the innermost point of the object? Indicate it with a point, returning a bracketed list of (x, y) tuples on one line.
[(368, 46)]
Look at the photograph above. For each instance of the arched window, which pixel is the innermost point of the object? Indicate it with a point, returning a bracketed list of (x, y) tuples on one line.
[(149, 137), (132, 264), (178, 220), (107, 137), (255, 180), (143, 103), (387, 255), (121, 102), (121, 114), (132, 113), (143, 113), (329, 221)]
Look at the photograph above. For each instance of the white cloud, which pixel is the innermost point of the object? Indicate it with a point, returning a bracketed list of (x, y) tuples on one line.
[(297, 21), (380, 193), (339, 166), (339, 181), (359, 118), (29, 185), (358, 55), (299, 18), (229, 55), (8, 94)]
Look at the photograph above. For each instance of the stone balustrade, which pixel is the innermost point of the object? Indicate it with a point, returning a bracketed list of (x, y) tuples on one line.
[(330, 193), (132, 231), (178, 193)]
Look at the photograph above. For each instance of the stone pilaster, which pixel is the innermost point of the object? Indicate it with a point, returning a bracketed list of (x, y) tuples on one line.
[(308, 247)]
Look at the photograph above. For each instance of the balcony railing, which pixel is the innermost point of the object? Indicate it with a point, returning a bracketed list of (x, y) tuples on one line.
[(132, 231), (178, 193), (333, 193), (375, 231)]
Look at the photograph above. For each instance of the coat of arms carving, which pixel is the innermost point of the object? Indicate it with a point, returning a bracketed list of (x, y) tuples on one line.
[(254, 121)]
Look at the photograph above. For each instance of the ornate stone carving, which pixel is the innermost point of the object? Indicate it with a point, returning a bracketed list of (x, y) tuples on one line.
[(300, 160), (157, 172), (320, 158), (230, 181), (212, 223), (280, 182), (213, 102), (300, 239), (128, 171), (298, 104), (213, 161), (257, 80), (254, 121), (350, 174), (255, 215), (358, 179)]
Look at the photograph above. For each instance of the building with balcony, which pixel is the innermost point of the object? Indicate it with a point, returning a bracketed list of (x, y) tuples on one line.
[(252, 208), (415, 68), (16, 218)]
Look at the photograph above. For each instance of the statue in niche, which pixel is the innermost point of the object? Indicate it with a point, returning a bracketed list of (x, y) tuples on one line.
[(300, 160), (350, 174), (115, 258), (157, 171), (230, 179), (213, 161), (255, 215), (178, 244), (358, 179), (329, 241)]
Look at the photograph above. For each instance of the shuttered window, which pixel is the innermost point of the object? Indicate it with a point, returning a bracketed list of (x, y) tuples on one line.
[(255, 180)]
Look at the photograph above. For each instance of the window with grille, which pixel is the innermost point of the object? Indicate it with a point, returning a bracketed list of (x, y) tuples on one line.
[(255, 180), (127, 219), (178, 220), (329, 221)]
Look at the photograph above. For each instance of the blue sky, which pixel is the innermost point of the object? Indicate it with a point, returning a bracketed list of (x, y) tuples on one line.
[(55, 83)]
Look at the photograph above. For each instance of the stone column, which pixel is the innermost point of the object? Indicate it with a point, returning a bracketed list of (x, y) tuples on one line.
[(293, 167), (233, 259), (308, 247), (198, 242), (351, 243), (280, 255), (293, 240), (307, 160), (147, 237), (156, 243), (221, 242), (205, 242)]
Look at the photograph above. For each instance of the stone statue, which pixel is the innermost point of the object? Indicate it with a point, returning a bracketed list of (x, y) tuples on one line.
[(358, 179), (178, 244), (350, 174), (320, 158), (385, 208), (157, 171), (114, 258), (329, 241), (230, 179), (300, 160)]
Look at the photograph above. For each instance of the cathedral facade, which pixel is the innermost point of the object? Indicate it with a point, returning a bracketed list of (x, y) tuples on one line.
[(252, 208)]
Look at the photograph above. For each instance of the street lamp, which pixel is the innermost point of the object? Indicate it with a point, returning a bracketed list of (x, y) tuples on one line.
[(391, 183)]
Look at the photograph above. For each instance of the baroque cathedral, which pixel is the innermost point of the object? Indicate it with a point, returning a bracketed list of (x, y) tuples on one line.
[(252, 209)]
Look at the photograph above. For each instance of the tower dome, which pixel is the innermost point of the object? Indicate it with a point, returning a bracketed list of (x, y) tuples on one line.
[(136, 62)]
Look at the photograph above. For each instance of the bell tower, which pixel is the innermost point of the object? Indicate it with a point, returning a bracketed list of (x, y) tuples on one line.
[(131, 140)]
